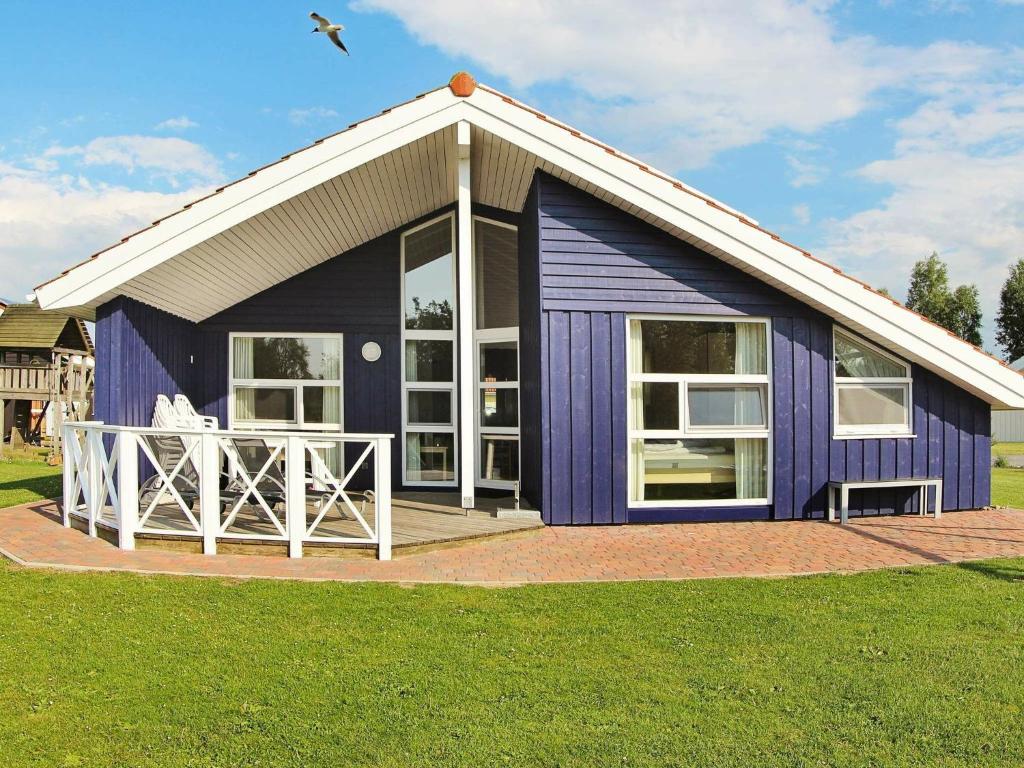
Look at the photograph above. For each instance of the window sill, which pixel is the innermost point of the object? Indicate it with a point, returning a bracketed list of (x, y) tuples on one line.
[(875, 436)]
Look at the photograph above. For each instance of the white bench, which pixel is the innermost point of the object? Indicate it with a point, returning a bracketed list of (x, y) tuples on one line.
[(844, 488)]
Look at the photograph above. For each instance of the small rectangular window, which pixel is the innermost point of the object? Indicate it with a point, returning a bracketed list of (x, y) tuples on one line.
[(286, 380), (713, 407), (872, 393)]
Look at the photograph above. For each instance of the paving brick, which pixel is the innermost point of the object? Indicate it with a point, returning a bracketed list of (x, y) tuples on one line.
[(33, 534)]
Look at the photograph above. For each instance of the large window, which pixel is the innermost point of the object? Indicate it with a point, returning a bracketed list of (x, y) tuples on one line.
[(872, 390), (428, 362), (496, 263), (699, 412), (286, 380)]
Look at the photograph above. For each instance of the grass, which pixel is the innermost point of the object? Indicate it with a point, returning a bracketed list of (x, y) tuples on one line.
[(897, 668), (25, 477), (911, 667), (1007, 449), (1008, 487)]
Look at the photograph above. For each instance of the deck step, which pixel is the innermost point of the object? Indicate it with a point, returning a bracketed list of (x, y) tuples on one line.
[(499, 512)]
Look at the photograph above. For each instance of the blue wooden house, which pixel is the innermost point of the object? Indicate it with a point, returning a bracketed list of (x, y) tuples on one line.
[(524, 307)]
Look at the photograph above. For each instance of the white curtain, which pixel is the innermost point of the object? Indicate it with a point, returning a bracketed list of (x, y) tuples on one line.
[(863, 363), (751, 358), (636, 394), (332, 405), (242, 368), (751, 348), (242, 362), (636, 490), (751, 479), (636, 365)]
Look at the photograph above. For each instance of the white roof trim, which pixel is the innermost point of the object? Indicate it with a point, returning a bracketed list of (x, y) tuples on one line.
[(721, 229)]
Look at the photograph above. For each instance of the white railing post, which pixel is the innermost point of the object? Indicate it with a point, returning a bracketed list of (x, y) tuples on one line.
[(127, 488), (382, 489), (70, 467), (209, 491), (295, 493), (97, 462)]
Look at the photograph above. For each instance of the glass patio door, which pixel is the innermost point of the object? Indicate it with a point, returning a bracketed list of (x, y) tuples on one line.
[(497, 410)]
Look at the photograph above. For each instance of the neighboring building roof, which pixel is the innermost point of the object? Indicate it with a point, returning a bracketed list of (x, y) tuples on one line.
[(256, 231), (1018, 364), (26, 326)]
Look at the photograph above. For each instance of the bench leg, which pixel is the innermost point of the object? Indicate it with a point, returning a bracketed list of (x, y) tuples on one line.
[(938, 500), (844, 505), (831, 501), (922, 502)]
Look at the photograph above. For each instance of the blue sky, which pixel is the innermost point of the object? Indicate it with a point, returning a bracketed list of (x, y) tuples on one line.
[(869, 132)]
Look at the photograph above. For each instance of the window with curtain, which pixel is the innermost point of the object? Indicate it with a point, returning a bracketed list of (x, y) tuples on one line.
[(286, 380), (699, 421), (872, 390)]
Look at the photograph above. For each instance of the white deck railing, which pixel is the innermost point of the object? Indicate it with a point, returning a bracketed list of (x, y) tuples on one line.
[(195, 483)]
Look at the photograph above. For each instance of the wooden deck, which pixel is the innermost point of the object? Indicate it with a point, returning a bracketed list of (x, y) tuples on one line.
[(412, 524)]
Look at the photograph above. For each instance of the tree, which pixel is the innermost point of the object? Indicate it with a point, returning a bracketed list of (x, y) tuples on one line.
[(929, 289), (1010, 320), (959, 311), (965, 314)]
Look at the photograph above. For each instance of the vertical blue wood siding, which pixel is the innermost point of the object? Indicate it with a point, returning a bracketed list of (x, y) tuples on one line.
[(593, 264), (141, 352), (584, 265)]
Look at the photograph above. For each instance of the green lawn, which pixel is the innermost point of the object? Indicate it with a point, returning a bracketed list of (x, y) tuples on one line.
[(27, 478), (894, 668), (1006, 449), (911, 667)]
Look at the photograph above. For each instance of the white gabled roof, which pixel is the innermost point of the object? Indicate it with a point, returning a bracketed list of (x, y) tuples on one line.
[(378, 174)]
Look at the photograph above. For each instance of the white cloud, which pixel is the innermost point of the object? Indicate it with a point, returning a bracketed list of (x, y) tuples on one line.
[(680, 80), (182, 123), (956, 179), (174, 160), (802, 214), (804, 173), (50, 221), (58, 207), (311, 115)]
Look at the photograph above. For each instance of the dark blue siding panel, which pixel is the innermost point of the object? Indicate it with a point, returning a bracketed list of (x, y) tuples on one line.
[(801, 419), (982, 455), (580, 411), (821, 429), (620, 450), (560, 419), (782, 354), (601, 417), (965, 460), (950, 448)]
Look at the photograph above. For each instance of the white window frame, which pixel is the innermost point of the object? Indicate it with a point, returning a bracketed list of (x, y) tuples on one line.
[(296, 385), (686, 432), (483, 336), (433, 386), (869, 431), (490, 336)]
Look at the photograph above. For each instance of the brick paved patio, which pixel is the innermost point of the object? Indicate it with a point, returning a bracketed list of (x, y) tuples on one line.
[(32, 535)]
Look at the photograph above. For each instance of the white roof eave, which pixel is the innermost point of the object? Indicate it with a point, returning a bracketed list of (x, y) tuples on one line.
[(723, 230)]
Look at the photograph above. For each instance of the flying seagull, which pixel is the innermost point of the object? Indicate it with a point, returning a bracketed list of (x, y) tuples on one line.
[(332, 30)]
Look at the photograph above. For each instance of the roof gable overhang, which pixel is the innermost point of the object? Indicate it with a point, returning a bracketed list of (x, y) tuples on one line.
[(545, 144)]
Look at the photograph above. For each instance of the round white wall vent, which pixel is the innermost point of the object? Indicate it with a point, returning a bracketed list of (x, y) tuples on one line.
[(371, 351)]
